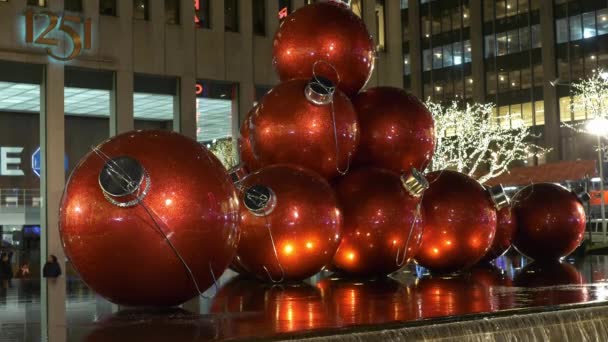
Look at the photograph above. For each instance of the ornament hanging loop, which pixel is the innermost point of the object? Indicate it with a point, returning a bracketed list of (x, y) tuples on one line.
[(320, 91)]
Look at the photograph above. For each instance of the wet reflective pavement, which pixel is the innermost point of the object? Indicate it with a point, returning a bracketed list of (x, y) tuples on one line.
[(326, 304)]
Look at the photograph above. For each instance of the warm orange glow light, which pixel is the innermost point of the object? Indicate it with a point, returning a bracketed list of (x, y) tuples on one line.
[(435, 251), (288, 249), (309, 245), (351, 256)]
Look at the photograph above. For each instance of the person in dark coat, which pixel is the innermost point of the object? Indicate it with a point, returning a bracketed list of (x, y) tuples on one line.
[(51, 269), (6, 272)]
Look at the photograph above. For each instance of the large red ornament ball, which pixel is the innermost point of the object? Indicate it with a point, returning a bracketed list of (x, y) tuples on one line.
[(550, 221), (330, 33), (245, 151), (460, 222), (397, 130), (382, 223), (117, 234), (506, 226), (297, 210), (289, 128)]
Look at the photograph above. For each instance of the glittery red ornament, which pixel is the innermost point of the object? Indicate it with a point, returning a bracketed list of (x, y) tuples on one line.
[(245, 151), (550, 221), (460, 222), (117, 233), (506, 226), (297, 210), (381, 221), (288, 127), (562, 283), (325, 32), (397, 130)]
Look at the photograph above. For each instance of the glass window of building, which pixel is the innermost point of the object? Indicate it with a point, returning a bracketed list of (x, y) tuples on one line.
[(467, 51), (154, 102), (259, 17), (357, 7), (447, 55), (21, 195), (406, 65), (437, 58), (589, 25), (513, 41), (231, 15), (561, 30), (217, 119), (380, 25), (202, 13), (39, 3), (141, 10), (427, 60), (108, 7), (576, 31), (602, 21), (457, 53), (172, 12), (73, 5)]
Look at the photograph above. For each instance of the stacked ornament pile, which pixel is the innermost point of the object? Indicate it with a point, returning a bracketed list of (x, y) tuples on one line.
[(332, 178)]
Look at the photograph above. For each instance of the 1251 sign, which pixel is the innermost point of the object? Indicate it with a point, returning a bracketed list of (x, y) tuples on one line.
[(69, 25)]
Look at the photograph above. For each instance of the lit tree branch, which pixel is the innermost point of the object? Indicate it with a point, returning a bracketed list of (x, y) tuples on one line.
[(589, 95), (472, 141)]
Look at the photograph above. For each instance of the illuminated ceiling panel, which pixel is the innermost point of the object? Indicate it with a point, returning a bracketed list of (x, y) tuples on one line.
[(213, 117)]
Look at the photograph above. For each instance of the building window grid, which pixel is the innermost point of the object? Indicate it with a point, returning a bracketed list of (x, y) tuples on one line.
[(433, 57), (513, 80), (141, 10), (172, 12), (569, 34)]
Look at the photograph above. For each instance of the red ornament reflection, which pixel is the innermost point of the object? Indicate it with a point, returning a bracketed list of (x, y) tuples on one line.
[(278, 309), (561, 283), (305, 225), (397, 130), (459, 225), (190, 201), (172, 324), (245, 151), (288, 128), (506, 227), (382, 221), (325, 32), (377, 301), (550, 221)]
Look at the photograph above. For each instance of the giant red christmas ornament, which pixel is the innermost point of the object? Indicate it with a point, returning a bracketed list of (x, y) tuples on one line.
[(382, 221), (308, 124), (506, 226), (459, 225), (290, 223), (245, 151), (146, 226), (550, 221), (397, 131), (329, 33)]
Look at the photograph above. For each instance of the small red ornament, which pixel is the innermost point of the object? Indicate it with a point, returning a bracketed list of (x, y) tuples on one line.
[(460, 222), (290, 223), (550, 221), (562, 283), (297, 123), (439, 296), (382, 222), (137, 204), (397, 130), (506, 226), (325, 32), (245, 151)]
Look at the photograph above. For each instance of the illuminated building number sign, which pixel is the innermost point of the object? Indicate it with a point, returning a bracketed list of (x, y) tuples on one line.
[(70, 25)]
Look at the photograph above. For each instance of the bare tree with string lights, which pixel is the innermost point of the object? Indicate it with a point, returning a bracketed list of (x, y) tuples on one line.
[(471, 140)]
